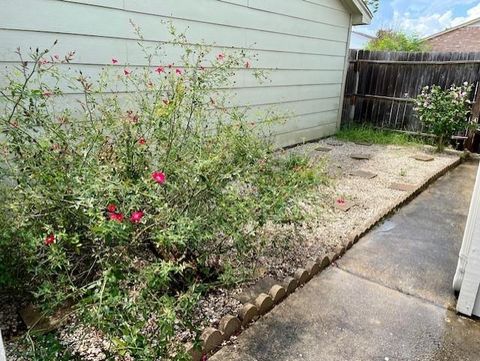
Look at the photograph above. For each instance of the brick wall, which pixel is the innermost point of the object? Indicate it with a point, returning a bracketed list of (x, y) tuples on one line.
[(463, 40)]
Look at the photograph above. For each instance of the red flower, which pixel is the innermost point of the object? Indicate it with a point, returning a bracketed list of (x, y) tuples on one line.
[(247, 65), (111, 208), (341, 201), (178, 71), (127, 71), (117, 217), (204, 358), (136, 216), (114, 61), (160, 69), (50, 239), (142, 141), (220, 56), (159, 177)]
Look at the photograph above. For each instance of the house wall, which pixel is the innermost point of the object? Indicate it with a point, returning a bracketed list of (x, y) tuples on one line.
[(301, 44), (465, 39)]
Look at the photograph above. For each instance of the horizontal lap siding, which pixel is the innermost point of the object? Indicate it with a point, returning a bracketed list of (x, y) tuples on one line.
[(300, 43)]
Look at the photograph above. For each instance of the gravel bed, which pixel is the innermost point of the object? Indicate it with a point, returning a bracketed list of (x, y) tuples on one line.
[(325, 227), (329, 227)]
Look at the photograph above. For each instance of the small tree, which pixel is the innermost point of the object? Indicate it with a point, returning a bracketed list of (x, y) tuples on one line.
[(444, 112), (390, 40)]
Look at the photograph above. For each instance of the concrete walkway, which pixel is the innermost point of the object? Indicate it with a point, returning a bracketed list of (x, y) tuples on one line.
[(389, 298)]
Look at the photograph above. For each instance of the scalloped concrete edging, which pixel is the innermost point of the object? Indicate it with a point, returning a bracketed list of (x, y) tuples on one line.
[(212, 338)]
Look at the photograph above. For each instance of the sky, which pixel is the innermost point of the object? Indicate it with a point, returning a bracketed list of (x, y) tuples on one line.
[(422, 17)]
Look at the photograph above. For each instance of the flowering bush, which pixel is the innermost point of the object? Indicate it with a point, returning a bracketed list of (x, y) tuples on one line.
[(444, 112), (125, 203)]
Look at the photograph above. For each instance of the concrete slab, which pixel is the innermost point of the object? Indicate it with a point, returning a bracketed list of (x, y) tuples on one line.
[(388, 298), (339, 316), (416, 251)]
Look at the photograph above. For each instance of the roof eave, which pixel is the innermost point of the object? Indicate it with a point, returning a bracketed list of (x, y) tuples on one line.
[(361, 14), (453, 28)]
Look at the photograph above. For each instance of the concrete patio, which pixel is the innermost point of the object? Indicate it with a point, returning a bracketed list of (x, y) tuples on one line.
[(389, 298)]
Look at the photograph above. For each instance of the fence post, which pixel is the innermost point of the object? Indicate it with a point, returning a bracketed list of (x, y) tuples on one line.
[(353, 98)]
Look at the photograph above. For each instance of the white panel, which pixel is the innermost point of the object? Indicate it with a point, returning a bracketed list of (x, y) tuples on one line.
[(301, 44)]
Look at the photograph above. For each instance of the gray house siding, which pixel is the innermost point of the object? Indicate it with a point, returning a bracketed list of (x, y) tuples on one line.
[(301, 44)]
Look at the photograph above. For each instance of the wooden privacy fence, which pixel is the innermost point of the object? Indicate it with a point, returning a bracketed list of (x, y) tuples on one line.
[(381, 86)]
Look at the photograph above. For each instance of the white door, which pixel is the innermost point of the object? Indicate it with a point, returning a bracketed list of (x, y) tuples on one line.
[(467, 277)]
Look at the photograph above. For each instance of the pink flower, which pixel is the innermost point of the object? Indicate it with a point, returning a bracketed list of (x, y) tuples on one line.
[(127, 71), (142, 141), (341, 201), (114, 61), (43, 61), (50, 239), (247, 65), (178, 71), (47, 93), (136, 216), (117, 217), (111, 208), (57, 57), (160, 69), (159, 177), (220, 56)]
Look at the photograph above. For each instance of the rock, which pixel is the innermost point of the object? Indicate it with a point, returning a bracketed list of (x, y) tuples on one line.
[(264, 303), (290, 284), (212, 338), (36, 321), (301, 275), (334, 143), (229, 325), (367, 144), (248, 313), (278, 293)]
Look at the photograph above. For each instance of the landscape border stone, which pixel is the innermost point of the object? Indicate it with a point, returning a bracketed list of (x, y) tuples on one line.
[(213, 338), (229, 325)]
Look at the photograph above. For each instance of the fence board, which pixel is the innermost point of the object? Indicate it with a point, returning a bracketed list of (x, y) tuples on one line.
[(381, 86)]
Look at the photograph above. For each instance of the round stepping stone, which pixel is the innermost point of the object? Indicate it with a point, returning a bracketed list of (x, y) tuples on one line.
[(403, 187), (290, 284), (359, 156), (193, 352), (248, 313), (212, 338), (301, 275), (277, 293), (229, 325), (323, 149), (366, 144), (264, 303), (313, 268), (334, 143), (363, 174), (423, 157)]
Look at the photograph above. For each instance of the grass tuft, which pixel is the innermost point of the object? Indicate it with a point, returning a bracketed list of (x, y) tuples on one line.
[(369, 134)]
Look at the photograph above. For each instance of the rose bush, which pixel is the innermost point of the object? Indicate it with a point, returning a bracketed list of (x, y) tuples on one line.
[(444, 112), (131, 195)]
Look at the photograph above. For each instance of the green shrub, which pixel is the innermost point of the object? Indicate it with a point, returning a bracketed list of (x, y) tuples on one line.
[(444, 112), (126, 204), (390, 40)]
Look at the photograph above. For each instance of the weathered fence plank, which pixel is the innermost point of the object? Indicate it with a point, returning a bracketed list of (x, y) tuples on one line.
[(381, 86)]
